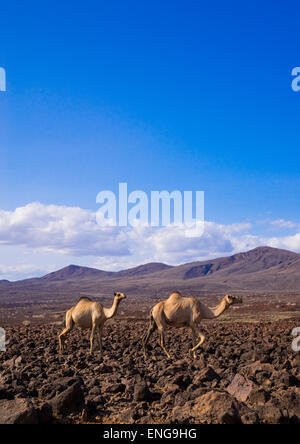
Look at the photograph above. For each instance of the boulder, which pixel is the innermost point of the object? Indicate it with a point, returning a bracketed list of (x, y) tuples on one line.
[(206, 375), (116, 388), (17, 411), (257, 367), (214, 407), (69, 401), (141, 392), (259, 397), (5, 392), (241, 388), (271, 414), (45, 413), (129, 416)]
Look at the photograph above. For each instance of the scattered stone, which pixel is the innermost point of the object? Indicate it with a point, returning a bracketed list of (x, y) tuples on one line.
[(245, 373), (17, 411), (117, 388), (271, 414), (129, 416), (259, 397), (241, 388), (45, 413), (206, 375), (69, 401), (212, 407), (141, 392)]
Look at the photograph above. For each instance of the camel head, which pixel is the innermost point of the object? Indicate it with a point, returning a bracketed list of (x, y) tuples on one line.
[(119, 295), (231, 300)]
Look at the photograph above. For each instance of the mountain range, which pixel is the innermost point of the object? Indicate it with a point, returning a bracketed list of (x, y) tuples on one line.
[(259, 270)]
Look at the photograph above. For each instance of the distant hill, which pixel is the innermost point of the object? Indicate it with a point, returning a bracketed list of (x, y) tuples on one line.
[(254, 261), (79, 273), (75, 272), (150, 268), (263, 269)]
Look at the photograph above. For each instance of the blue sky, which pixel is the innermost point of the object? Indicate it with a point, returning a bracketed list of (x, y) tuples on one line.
[(168, 95)]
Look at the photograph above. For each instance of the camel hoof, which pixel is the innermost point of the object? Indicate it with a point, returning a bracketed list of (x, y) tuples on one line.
[(192, 354)]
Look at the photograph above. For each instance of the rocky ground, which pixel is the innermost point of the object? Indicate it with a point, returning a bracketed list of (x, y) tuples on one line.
[(245, 372)]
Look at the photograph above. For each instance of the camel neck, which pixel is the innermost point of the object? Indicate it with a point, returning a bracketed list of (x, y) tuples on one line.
[(215, 312), (219, 309), (110, 312)]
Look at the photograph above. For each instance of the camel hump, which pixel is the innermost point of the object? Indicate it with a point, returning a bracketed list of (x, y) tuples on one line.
[(84, 298), (175, 294)]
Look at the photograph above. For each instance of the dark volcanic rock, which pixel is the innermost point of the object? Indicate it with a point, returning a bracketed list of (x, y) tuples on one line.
[(141, 392), (271, 414), (5, 393), (129, 416), (254, 362), (69, 401), (17, 411), (45, 413), (241, 387), (206, 375), (213, 407), (116, 388), (259, 397)]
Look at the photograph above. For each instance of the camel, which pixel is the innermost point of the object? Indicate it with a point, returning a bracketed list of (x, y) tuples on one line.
[(89, 314), (180, 311)]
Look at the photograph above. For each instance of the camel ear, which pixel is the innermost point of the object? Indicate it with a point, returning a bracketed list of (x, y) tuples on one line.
[(115, 293)]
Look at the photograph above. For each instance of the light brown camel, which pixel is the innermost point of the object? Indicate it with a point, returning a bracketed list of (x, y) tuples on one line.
[(89, 314), (180, 311)]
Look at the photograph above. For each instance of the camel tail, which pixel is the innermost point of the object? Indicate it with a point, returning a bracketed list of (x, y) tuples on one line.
[(152, 323), (69, 323), (151, 318)]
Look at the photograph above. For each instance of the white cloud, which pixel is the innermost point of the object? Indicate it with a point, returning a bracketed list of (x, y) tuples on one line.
[(281, 223), (286, 242), (68, 230), (47, 237), (18, 271)]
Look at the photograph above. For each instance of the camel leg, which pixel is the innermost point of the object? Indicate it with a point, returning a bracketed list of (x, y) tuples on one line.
[(146, 338), (162, 343), (61, 338), (92, 338), (100, 338), (202, 339), (69, 326), (194, 343)]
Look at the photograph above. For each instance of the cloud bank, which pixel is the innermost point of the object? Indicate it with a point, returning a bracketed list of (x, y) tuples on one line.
[(73, 232)]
